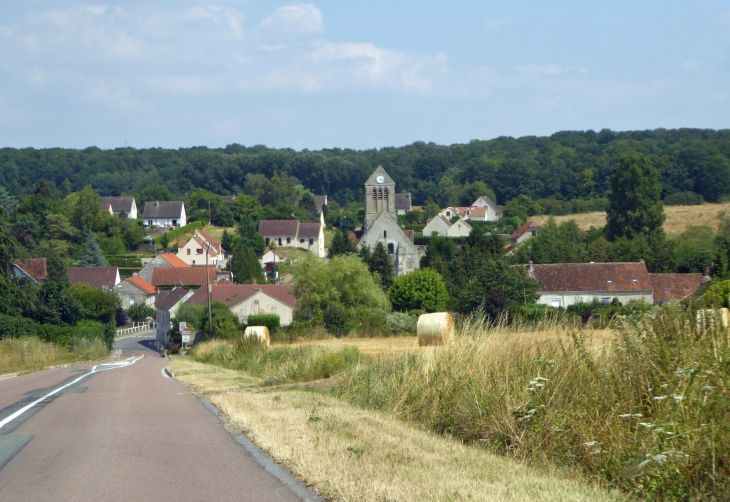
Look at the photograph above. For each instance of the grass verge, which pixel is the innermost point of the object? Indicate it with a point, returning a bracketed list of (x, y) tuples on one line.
[(29, 353), (355, 454)]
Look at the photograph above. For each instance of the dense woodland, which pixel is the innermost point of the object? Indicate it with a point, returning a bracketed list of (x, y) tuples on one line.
[(569, 165)]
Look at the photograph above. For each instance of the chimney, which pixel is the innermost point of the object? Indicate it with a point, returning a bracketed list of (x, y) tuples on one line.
[(706, 275), (529, 266), (642, 261)]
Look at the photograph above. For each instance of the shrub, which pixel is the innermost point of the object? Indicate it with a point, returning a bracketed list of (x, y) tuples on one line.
[(271, 321), (16, 327), (684, 199), (401, 322), (139, 312)]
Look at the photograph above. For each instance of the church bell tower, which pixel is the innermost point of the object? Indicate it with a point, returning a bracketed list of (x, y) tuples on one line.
[(379, 196)]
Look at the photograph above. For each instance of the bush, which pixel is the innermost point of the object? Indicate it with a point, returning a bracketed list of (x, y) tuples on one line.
[(139, 312), (684, 199), (271, 321), (401, 322), (16, 327)]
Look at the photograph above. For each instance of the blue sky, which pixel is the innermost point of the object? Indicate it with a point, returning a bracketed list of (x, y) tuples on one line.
[(181, 73)]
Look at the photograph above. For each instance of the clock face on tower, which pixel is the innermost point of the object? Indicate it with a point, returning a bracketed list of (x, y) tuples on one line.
[(380, 179)]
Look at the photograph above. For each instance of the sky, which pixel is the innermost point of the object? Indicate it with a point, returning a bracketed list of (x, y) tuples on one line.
[(347, 74)]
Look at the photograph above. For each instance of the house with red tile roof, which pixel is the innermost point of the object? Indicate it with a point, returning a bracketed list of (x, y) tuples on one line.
[(291, 233), (564, 284), (135, 290), (32, 268), (193, 252), (189, 277), (247, 299), (104, 278), (162, 260), (525, 232)]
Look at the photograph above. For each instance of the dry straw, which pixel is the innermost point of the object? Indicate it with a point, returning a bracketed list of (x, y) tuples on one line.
[(260, 333), (435, 329)]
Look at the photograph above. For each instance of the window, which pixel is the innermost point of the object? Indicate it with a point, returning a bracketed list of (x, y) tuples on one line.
[(288, 240), (273, 309), (556, 303), (279, 241), (131, 302), (666, 290), (193, 262), (199, 251), (608, 279), (311, 242), (301, 241), (188, 251), (385, 234), (633, 278), (534, 233), (606, 300), (390, 248)]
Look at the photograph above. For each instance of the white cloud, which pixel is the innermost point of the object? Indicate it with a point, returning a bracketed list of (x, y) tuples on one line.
[(96, 9), (221, 16), (495, 24), (292, 21)]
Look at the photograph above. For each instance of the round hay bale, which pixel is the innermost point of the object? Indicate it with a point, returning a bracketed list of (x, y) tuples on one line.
[(435, 329), (260, 333)]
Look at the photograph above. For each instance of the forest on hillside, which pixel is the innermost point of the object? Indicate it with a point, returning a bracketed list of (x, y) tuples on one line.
[(569, 165)]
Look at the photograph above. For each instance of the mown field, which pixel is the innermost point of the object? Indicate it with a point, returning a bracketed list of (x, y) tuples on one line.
[(678, 217)]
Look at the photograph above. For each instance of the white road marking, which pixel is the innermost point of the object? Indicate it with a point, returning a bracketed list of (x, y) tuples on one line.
[(15, 415)]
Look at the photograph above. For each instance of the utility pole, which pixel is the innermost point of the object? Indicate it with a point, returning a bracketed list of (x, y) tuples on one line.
[(210, 293)]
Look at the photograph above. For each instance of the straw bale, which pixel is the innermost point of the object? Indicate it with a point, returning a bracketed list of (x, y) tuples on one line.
[(261, 333), (435, 329)]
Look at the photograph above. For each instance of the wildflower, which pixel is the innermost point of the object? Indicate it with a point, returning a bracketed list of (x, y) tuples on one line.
[(541, 379), (630, 415), (677, 398), (530, 390), (664, 385), (707, 388), (648, 426), (590, 444), (659, 398)]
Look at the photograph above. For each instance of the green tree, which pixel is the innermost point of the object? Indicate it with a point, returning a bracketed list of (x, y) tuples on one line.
[(91, 256), (244, 264), (85, 208), (223, 216), (98, 305), (165, 241), (431, 209), (139, 312), (381, 264), (341, 244), (422, 289), (555, 243), (227, 241), (307, 203), (7, 201), (246, 206), (340, 292), (152, 193), (635, 205)]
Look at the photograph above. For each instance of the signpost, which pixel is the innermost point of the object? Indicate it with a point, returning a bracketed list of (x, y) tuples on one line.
[(185, 333)]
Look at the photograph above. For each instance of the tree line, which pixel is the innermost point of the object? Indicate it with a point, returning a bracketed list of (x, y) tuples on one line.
[(558, 171)]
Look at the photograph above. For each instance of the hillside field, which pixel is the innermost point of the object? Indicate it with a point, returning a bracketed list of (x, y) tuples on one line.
[(678, 217)]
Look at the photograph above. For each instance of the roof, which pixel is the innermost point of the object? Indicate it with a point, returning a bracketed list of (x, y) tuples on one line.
[(524, 228), (234, 294), (309, 230), (403, 201), (185, 276), (675, 286), (163, 209), (210, 240), (96, 277), (320, 201), (34, 267), (411, 235), (379, 171), (475, 212), (173, 260), (212, 250), (445, 220), (118, 203), (228, 198), (591, 277), (169, 299), (484, 200), (278, 228), (142, 285)]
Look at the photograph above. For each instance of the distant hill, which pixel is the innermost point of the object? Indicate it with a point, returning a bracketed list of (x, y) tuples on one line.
[(567, 165)]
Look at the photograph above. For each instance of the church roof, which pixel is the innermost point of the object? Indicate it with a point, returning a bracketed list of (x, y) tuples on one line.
[(392, 225), (379, 171)]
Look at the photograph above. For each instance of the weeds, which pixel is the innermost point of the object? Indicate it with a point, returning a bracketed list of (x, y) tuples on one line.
[(648, 413), (28, 353)]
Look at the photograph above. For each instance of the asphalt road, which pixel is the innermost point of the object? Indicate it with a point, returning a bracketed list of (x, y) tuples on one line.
[(120, 433)]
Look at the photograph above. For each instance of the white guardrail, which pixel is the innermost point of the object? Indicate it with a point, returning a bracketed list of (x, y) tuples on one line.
[(140, 326)]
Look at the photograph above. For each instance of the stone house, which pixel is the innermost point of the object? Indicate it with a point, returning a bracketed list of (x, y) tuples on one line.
[(104, 278), (166, 304), (247, 299), (162, 260), (121, 204), (135, 290), (164, 214)]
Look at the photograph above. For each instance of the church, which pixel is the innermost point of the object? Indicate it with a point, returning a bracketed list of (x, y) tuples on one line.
[(381, 223)]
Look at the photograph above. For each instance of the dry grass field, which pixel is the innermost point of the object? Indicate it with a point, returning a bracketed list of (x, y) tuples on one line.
[(353, 454), (678, 217)]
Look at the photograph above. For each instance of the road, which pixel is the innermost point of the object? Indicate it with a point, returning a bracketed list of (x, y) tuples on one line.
[(120, 433)]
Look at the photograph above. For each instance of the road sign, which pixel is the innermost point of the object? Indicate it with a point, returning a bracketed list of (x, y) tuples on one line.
[(186, 339), (183, 326)]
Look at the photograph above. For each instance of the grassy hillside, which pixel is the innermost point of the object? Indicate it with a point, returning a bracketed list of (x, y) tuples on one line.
[(678, 217)]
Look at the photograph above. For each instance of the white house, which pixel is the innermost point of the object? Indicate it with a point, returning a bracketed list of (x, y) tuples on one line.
[(164, 214), (483, 209), (493, 212), (247, 299), (291, 233), (167, 303), (121, 204), (445, 228), (193, 252), (525, 232), (402, 203)]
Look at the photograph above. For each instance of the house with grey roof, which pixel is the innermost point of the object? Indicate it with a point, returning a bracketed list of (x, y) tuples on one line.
[(104, 278), (164, 214), (291, 233), (31, 268), (248, 299), (120, 204), (166, 304), (403, 203)]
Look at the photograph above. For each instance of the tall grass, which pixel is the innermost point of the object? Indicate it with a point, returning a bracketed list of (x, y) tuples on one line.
[(26, 353), (276, 365), (648, 412)]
